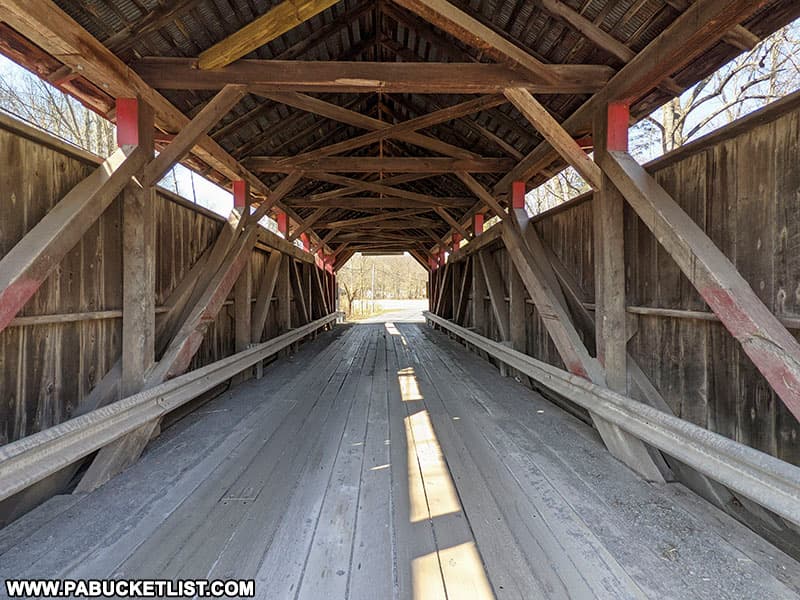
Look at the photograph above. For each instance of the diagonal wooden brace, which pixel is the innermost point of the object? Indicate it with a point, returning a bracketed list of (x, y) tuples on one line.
[(33, 258), (117, 456), (573, 352), (773, 350)]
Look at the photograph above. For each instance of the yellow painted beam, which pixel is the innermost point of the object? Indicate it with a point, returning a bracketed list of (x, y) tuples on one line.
[(272, 24)]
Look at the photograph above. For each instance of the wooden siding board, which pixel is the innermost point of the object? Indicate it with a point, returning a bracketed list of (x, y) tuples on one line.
[(47, 370), (744, 191)]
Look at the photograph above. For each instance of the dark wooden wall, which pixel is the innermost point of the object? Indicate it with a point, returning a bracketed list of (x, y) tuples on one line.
[(64, 341), (742, 186)]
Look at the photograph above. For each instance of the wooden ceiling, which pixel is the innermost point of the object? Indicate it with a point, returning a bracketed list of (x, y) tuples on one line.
[(376, 109)]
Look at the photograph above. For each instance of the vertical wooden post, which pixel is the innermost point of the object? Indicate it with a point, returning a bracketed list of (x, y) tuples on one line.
[(478, 295), (305, 270), (516, 308), (610, 134), (135, 128), (242, 314), (455, 285), (284, 296)]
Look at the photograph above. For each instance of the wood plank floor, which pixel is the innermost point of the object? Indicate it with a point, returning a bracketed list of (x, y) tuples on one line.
[(386, 461)]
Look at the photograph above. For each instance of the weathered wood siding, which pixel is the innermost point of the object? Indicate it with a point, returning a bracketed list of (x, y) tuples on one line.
[(742, 186), (47, 369)]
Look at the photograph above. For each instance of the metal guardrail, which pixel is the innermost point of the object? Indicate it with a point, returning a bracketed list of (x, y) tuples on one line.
[(31, 459), (768, 481)]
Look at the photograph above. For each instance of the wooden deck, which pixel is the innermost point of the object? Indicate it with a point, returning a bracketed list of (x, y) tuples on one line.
[(383, 461)]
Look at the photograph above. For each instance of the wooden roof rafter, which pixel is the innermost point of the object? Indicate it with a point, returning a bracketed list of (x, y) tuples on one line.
[(541, 38)]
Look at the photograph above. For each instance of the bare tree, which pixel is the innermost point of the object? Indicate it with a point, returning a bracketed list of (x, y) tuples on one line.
[(753, 79), (763, 75), (564, 186), (36, 101), (396, 277)]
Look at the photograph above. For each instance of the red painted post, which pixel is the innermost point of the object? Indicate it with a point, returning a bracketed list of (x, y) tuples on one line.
[(127, 122), (442, 257), (304, 238), (456, 241), (477, 224), (619, 117), (518, 194), (240, 193), (283, 223)]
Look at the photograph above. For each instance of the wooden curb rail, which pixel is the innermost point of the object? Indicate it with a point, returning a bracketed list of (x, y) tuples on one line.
[(31, 459), (764, 479)]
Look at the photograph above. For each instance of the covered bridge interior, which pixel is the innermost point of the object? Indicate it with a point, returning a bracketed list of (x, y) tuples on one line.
[(603, 400)]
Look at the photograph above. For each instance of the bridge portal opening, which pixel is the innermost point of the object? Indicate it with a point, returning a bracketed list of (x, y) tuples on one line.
[(383, 286)]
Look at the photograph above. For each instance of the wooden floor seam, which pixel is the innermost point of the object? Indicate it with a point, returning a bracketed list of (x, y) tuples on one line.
[(387, 461)]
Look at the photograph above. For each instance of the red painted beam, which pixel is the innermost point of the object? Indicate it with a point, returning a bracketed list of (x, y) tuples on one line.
[(127, 122), (283, 223), (619, 116), (518, 194), (241, 192), (477, 224)]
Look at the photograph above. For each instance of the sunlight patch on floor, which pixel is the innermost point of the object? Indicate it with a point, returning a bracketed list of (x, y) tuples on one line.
[(431, 490), (409, 388), (462, 570)]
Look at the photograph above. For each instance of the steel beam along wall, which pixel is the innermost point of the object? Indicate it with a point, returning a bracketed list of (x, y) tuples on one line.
[(741, 184), (47, 368)]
